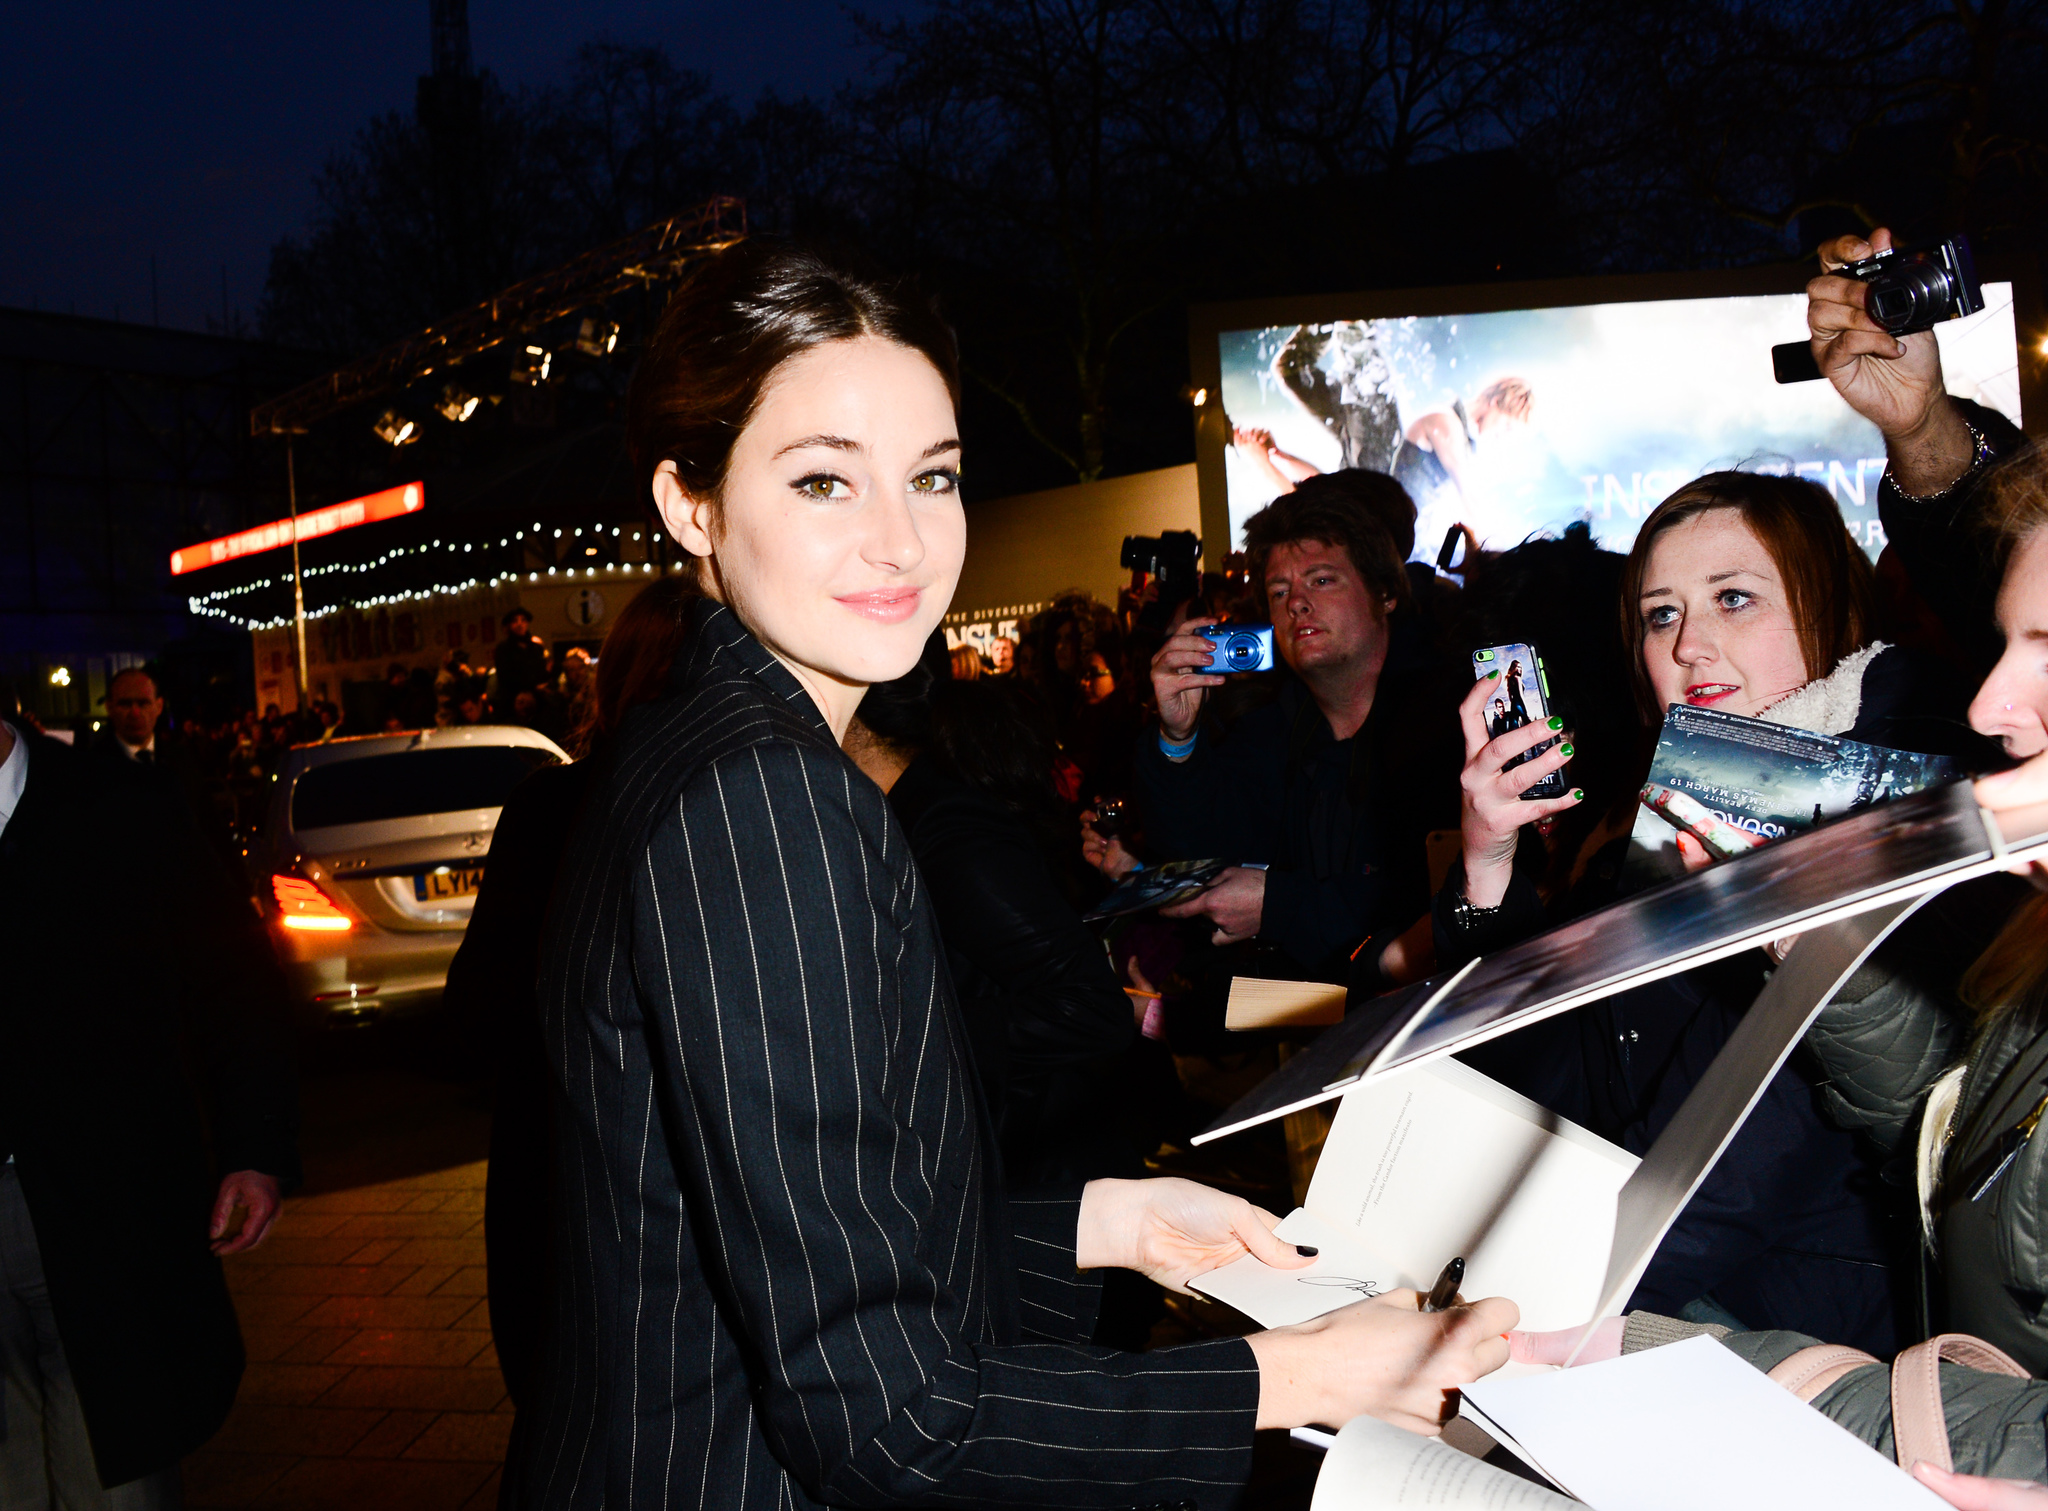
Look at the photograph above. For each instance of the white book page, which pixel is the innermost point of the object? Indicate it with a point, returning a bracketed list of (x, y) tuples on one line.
[(1346, 1270), (1373, 1464), (1442, 1162), (1688, 1427)]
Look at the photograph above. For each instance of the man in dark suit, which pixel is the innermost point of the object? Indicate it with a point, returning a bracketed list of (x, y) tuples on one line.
[(134, 742), (520, 658), (131, 955)]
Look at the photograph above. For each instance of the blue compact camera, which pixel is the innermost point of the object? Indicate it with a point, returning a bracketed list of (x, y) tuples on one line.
[(1239, 647)]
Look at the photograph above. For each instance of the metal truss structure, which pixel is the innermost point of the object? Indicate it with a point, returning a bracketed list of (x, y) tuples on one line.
[(657, 254)]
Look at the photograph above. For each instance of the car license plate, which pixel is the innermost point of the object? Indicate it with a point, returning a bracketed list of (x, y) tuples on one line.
[(444, 882)]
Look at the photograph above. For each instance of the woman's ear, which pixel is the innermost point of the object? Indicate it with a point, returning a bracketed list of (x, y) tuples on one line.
[(686, 517)]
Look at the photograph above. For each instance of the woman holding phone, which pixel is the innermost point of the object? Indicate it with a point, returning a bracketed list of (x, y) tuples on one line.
[(790, 1273)]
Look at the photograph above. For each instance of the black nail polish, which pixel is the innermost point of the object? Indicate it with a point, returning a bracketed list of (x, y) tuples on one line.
[(1307, 1250)]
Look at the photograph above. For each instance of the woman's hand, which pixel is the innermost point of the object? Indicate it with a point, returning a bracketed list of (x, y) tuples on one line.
[(1491, 808), (1892, 381), (1106, 855), (1171, 1230), (2025, 786), (1381, 1358), (1974, 1493), (1555, 1348)]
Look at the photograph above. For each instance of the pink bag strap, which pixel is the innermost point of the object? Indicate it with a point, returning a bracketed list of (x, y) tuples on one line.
[(1812, 1370), (1919, 1422)]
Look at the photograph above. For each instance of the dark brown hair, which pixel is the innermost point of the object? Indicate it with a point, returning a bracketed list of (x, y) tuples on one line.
[(633, 663), (1377, 493), (1336, 516), (2018, 505), (728, 329), (1829, 587)]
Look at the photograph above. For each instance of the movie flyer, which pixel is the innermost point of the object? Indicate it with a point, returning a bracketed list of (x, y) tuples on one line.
[(1735, 783)]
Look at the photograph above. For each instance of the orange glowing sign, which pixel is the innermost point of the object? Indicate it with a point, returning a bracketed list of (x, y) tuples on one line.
[(367, 510)]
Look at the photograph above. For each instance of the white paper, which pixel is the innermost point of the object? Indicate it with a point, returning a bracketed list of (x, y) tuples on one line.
[(1373, 1464), (1688, 1427), (1436, 1163), (1347, 1269)]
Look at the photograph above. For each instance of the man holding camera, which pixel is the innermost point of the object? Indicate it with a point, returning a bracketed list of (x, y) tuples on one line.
[(1937, 448), (1324, 787)]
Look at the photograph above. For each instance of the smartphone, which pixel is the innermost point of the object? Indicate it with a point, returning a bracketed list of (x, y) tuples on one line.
[(1522, 698), (1448, 553)]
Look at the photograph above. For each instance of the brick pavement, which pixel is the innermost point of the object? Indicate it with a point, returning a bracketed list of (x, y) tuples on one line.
[(371, 1379)]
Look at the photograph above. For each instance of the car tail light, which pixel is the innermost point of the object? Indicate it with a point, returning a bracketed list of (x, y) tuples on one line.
[(301, 905)]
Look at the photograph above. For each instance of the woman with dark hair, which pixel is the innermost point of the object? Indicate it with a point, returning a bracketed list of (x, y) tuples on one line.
[(490, 988), (789, 1272), (1744, 593), (1948, 1070)]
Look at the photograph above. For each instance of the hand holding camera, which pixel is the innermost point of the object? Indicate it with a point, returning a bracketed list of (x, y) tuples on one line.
[(1882, 357), (1181, 678), (1195, 658)]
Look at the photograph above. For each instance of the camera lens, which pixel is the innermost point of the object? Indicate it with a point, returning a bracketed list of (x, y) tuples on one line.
[(1241, 651), (1909, 298)]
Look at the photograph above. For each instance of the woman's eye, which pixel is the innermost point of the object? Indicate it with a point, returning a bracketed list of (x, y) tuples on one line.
[(823, 485), (1661, 618), (938, 480), (1733, 598)]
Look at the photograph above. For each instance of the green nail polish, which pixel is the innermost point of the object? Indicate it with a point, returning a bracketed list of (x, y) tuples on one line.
[(1491, 675), (1557, 723), (1578, 794), (1564, 750)]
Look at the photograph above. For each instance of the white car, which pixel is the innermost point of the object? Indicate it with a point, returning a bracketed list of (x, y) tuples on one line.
[(368, 857)]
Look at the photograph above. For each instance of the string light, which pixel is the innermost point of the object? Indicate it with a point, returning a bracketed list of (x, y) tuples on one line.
[(213, 605)]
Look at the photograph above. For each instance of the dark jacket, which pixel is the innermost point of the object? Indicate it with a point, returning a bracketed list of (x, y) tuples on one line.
[(787, 1276), (1339, 823), (1794, 1227), (521, 664), (135, 968), (1889, 1033), (1043, 1008), (491, 992), (176, 774), (1944, 556)]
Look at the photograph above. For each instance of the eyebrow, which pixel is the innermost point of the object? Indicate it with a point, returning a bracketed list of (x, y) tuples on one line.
[(841, 443), (1717, 577), (1314, 566)]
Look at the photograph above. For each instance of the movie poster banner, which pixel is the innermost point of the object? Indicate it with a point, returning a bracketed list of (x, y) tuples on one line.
[(1520, 422)]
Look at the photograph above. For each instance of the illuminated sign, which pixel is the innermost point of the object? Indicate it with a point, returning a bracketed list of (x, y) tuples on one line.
[(367, 510)]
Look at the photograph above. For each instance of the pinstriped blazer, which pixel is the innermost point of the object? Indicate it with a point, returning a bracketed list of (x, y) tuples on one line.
[(789, 1275)]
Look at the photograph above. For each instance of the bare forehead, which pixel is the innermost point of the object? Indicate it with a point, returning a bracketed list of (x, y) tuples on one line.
[(1708, 548), (862, 383), (2023, 595)]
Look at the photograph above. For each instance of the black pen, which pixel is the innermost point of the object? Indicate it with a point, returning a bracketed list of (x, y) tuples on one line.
[(1445, 1291)]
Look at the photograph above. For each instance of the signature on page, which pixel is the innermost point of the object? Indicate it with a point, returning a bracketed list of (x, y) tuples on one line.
[(1339, 1282)]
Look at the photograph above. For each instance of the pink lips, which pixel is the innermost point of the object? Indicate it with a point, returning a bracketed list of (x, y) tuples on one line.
[(1702, 694), (884, 605)]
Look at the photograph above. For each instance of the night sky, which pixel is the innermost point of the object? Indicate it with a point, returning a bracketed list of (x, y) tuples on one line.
[(191, 132)]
